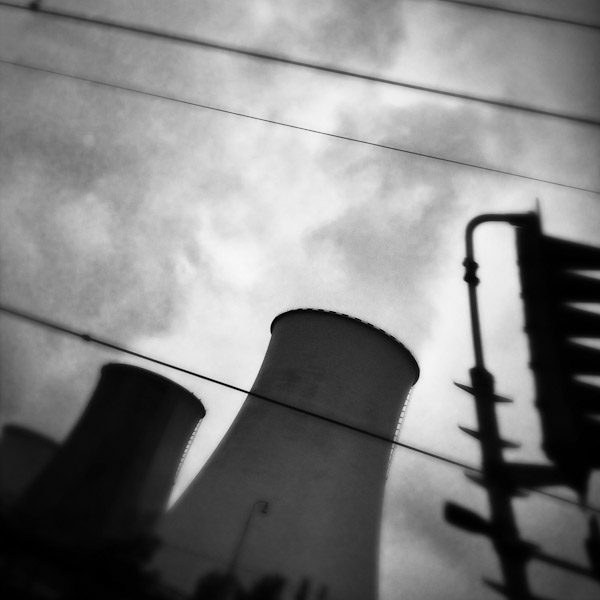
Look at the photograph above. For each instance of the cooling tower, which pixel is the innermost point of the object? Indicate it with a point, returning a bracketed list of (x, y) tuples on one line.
[(23, 454), (290, 494), (112, 477)]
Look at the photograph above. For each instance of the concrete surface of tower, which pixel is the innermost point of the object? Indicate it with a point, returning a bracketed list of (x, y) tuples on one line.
[(289, 494)]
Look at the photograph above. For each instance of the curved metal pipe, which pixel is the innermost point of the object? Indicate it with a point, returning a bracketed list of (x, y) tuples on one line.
[(515, 219)]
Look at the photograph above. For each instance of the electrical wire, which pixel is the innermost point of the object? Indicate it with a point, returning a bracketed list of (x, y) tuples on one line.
[(281, 59), (298, 127), (520, 13), (86, 337)]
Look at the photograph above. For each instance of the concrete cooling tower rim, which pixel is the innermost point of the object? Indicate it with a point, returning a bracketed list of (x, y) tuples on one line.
[(158, 378), (355, 319)]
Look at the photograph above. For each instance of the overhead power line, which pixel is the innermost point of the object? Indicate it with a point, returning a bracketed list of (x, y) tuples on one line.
[(281, 59), (298, 127), (521, 13), (86, 337)]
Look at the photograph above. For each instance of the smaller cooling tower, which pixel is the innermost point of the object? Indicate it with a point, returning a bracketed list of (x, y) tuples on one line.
[(111, 479), (23, 454)]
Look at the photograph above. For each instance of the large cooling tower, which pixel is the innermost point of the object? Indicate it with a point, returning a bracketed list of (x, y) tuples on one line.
[(111, 479), (23, 454), (288, 493)]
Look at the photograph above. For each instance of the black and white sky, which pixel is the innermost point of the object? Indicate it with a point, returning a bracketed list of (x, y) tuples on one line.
[(182, 232)]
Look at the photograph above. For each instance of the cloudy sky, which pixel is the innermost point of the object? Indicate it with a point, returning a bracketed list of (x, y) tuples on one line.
[(182, 232)]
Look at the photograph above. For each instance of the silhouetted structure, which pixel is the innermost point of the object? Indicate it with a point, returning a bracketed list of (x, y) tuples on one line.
[(112, 477), (85, 527), (551, 280), (23, 454), (323, 482), (550, 284)]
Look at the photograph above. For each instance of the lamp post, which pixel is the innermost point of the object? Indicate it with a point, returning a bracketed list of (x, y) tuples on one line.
[(238, 549), (510, 548)]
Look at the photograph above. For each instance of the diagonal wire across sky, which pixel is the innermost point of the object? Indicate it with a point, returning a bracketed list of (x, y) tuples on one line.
[(162, 96), (295, 62), (87, 337), (520, 13)]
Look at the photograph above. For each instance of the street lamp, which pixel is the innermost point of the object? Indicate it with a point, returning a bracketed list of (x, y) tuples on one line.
[(238, 549)]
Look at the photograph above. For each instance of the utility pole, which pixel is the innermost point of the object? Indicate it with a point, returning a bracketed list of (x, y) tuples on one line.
[(550, 284), (238, 549), (510, 548)]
